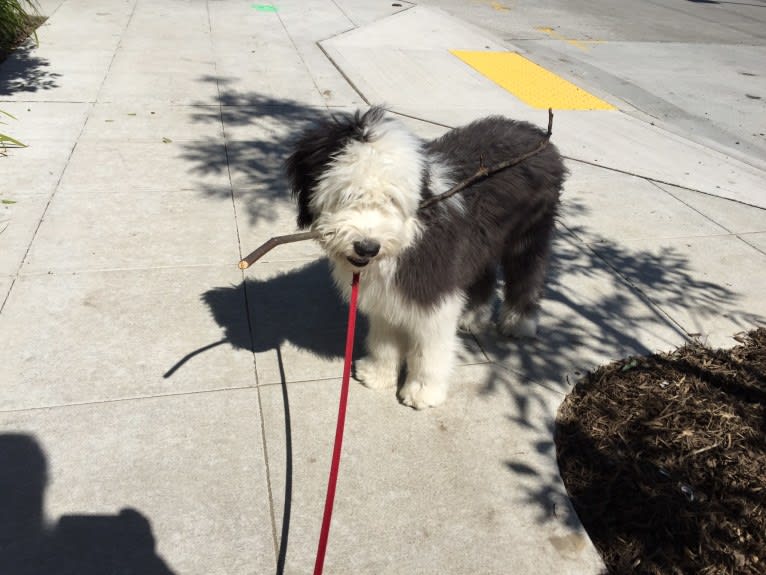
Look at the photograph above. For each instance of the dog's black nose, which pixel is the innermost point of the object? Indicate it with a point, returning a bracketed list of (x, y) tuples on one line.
[(366, 248)]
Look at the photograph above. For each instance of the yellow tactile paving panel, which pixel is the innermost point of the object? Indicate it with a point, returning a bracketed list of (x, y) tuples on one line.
[(530, 83)]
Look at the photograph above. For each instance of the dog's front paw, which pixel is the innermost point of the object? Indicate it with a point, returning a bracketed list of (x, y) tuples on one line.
[(375, 375), (420, 396)]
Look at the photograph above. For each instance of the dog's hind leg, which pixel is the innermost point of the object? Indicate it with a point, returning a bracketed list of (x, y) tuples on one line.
[(385, 348), (525, 261), (478, 308), (431, 356)]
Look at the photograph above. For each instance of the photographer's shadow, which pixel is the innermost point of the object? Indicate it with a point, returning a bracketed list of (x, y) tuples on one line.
[(81, 544), (301, 307)]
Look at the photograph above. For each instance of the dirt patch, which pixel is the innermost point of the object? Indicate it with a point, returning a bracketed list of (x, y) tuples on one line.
[(664, 458)]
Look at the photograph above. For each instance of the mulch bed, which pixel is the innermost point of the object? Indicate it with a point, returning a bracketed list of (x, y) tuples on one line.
[(664, 458)]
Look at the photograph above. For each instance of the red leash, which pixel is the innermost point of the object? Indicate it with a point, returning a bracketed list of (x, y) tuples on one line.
[(318, 566)]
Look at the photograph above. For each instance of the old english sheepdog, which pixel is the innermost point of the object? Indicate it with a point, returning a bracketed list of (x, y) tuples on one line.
[(425, 271)]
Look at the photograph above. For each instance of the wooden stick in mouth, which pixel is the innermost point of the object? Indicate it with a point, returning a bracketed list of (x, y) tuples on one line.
[(267, 246), (482, 172)]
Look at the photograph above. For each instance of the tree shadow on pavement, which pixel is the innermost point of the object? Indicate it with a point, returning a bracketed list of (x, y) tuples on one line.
[(300, 307), (23, 72), (258, 130), (82, 544)]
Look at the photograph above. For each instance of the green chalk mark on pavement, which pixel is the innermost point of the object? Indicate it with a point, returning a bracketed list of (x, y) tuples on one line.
[(264, 7)]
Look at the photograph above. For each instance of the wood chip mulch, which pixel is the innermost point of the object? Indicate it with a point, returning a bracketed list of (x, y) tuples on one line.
[(664, 458)]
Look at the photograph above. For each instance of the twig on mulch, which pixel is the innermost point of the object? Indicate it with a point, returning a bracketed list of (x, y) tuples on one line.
[(485, 172)]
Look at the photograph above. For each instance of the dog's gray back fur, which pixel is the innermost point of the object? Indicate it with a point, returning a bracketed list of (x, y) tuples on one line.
[(507, 217)]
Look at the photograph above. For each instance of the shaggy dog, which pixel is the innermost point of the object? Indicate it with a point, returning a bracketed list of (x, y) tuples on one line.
[(359, 181)]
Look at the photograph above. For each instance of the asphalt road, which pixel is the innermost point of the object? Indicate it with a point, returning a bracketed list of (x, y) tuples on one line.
[(694, 67)]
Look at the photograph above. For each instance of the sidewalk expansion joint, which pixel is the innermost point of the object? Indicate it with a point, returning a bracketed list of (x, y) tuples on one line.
[(647, 178), (306, 67), (524, 378), (127, 399), (656, 183), (346, 16), (355, 26), (7, 294), (654, 306), (2, 100), (74, 272), (342, 73), (744, 240)]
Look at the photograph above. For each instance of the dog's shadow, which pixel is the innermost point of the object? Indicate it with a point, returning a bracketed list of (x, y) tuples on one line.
[(301, 307)]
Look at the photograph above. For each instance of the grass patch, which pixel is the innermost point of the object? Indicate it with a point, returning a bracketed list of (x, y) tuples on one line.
[(18, 20)]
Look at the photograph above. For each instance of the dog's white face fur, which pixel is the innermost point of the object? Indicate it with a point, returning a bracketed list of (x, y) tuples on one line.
[(366, 195)]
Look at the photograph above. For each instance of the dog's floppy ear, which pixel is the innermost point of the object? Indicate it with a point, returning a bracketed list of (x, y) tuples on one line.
[(303, 168), (311, 157), (315, 150)]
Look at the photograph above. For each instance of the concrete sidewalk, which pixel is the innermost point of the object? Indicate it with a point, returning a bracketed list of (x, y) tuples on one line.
[(141, 370)]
